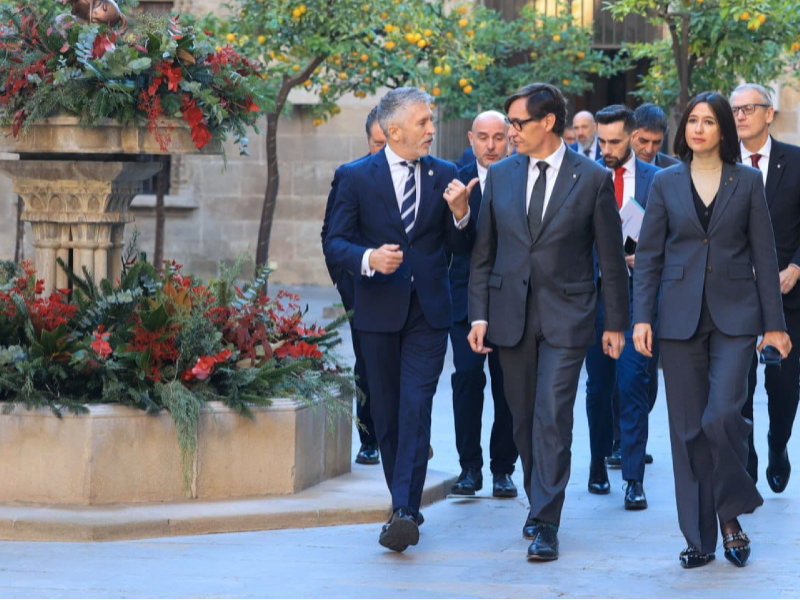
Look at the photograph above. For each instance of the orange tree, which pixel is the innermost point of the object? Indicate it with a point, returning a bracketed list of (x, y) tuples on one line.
[(466, 56), (713, 45)]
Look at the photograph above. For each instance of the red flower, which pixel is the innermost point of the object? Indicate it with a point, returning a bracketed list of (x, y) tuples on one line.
[(204, 367), (102, 44), (100, 344), (253, 107)]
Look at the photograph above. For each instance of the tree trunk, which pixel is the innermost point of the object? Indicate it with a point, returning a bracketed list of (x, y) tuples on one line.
[(161, 217), (271, 195), (19, 251)]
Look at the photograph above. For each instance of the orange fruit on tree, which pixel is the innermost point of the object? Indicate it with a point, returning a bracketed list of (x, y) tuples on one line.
[(556, 38), (463, 22), (436, 91), (468, 89), (438, 70), (745, 16), (462, 82), (390, 45)]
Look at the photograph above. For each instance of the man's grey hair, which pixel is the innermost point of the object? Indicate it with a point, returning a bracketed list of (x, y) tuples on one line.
[(766, 97), (395, 102)]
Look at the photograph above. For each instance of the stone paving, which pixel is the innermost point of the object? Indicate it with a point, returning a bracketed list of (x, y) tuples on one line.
[(468, 548)]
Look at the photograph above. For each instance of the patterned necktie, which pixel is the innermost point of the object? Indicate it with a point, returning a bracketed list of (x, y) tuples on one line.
[(587, 151), (754, 158), (619, 184), (407, 206), (536, 204)]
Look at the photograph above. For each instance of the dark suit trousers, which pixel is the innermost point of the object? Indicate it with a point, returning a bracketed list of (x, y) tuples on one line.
[(783, 387), (540, 383), (403, 370), (630, 375), (469, 381), (706, 384)]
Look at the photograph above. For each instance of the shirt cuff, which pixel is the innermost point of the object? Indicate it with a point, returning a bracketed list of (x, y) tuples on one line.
[(365, 270), (463, 222), (479, 321), (795, 266)]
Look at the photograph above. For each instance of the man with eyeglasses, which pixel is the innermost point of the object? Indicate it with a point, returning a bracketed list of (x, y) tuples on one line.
[(532, 291), (779, 164), (368, 454)]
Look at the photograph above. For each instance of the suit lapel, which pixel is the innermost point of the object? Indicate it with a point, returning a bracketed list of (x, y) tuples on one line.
[(777, 166), (519, 182), (568, 176), (642, 184), (726, 188), (385, 188), (682, 180), (427, 178)]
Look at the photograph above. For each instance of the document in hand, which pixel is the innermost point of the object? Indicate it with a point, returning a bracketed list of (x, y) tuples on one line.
[(631, 215)]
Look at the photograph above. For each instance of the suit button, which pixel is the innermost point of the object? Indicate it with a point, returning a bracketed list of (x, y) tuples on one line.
[(705, 240), (708, 268), (524, 282)]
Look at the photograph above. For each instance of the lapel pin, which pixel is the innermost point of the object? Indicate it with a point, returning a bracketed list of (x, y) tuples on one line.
[(779, 166), (574, 176), (430, 172), (730, 179)]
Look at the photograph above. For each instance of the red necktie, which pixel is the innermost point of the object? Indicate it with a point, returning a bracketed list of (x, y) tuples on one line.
[(754, 158), (619, 185)]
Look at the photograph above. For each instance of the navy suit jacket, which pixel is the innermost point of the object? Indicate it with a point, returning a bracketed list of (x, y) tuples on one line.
[(341, 278), (783, 199), (366, 215), (597, 155), (733, 264), (459, 264), (663, 161)]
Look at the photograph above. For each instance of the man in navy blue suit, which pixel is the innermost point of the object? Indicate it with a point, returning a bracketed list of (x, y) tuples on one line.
[(368, 454), (630, 373), (585, 133), (489, 141), (396, 215)]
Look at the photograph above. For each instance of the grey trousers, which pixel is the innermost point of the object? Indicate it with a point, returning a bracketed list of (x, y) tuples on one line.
[(706, 385), (540, 383)]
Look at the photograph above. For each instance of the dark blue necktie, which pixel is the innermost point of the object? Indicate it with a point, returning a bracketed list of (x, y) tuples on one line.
[(407, 212)]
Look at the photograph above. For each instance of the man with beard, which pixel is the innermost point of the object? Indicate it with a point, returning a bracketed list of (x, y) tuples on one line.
[(583, 125)]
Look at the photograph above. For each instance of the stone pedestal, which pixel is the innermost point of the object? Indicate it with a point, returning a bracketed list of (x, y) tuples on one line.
[(77, 184)]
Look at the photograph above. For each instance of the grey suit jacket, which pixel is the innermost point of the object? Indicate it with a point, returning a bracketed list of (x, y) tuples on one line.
[(557, 265), (675, 253), (663, 161)]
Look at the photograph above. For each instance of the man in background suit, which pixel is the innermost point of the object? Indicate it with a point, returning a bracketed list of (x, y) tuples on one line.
[(651, 130), (631, 373), (585, 129), (532, 290), (779, 164), (489, 140), (395, 215), (368, 454)]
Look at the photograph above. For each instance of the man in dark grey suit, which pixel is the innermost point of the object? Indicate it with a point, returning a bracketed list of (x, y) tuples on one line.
[(532, 291), (651, 131)]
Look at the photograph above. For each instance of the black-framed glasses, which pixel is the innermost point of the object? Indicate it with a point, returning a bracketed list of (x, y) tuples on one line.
[(747, 109), (519, 124)]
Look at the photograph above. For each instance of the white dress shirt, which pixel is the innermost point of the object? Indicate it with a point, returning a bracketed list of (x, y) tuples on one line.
[(551, 173), (399, 177), (763, 162), (482, 173)]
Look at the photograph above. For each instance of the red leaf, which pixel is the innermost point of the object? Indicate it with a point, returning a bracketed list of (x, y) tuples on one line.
[(64, 48)]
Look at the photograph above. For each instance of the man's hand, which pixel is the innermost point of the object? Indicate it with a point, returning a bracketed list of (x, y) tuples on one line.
[(613, 343), (629, 260), (475, 338), (779, 339), (386, 259), (643, 339), (789, 278), (457, 197)]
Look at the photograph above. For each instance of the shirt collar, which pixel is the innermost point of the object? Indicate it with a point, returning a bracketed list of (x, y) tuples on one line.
[(393, 158), (763, 151), (630, 165), (482, 171), (553, 161)]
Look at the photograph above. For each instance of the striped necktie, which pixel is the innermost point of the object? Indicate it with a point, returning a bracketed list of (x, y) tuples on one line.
[(407, 206)]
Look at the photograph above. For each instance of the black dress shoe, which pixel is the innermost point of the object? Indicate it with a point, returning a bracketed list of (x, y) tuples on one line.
[(528, 530), (400, 532), (544, 545), (634, 496), (368, 455), (598, 477), (420, 519), (648, 459), (469, 482), (503, 486), (737, 547), (778, 470), (614, 461), (691, 557)]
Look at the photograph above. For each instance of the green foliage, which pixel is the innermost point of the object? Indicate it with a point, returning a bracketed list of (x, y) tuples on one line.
[(713, 45)]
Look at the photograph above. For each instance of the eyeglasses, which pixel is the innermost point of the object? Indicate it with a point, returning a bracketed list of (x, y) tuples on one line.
[(747, 109), (518, 125)]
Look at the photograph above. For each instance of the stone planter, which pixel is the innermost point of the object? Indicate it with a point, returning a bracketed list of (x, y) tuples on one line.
[(118, 454), (77, 184)]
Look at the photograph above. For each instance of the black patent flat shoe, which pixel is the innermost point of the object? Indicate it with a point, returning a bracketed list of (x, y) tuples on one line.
[(692, 558), (738, 555)]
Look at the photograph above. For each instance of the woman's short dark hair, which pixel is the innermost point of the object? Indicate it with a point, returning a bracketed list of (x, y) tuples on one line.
[(729, 140), (542, 99)]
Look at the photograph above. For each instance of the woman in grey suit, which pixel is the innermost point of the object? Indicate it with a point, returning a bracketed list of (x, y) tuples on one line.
[(707, 242)]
